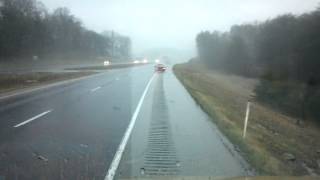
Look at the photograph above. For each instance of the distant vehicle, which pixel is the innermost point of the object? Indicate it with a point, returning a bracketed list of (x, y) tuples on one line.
[(136, 62), (160, 68), (145, 61)]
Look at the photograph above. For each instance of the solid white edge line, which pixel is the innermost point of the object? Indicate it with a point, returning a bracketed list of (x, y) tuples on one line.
[(95, 89), (32, 119), (116, 160)]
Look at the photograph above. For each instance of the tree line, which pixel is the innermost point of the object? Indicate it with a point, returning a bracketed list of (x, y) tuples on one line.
[(27, 30), (283, 52)]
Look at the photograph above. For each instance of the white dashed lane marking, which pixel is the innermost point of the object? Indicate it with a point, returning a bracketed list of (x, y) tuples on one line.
[(32, 119), (95, 89)]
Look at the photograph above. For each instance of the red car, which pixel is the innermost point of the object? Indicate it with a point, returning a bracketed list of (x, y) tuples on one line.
[(160, 68)]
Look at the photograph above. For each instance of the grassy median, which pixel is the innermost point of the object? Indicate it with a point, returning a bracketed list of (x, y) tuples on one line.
[(274, 145), (15, 81), (112, 66)]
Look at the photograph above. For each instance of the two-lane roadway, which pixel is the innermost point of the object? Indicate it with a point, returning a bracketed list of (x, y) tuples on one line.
[(70, 131)]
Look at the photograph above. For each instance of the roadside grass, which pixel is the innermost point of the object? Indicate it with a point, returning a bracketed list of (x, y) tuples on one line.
[(15, 81), (270, 133)]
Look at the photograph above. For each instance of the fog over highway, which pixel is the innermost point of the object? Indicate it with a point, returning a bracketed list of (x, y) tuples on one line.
[(139, 89), (174, 23)]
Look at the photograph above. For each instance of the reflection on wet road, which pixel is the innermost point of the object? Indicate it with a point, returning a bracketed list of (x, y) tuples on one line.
[(160, 156), (173, 136), (73, 131), (70, 131)]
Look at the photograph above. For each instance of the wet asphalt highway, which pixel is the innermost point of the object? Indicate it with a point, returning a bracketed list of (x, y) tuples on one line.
[(72, 131), (79, 134)]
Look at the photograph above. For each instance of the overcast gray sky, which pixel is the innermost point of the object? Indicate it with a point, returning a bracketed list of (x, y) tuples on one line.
[(174, 23)]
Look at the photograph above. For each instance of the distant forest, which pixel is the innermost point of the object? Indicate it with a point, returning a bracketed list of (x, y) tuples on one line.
[(283, 52), (28, 30)]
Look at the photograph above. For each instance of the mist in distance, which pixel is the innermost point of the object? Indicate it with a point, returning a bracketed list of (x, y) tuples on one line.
[(174, 24)]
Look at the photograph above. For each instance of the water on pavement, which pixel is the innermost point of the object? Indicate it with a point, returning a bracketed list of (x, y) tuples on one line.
[(173, 136)]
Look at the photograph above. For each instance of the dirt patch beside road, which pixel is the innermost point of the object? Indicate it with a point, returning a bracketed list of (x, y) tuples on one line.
[(274, 145)]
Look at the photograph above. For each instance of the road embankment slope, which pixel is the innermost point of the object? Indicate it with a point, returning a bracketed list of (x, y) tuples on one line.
[(274, 145)]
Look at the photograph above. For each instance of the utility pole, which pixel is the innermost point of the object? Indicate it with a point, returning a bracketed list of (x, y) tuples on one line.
[(112, 44)]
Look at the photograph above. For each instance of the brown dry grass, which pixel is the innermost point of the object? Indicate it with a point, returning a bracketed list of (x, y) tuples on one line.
[(270, 133)]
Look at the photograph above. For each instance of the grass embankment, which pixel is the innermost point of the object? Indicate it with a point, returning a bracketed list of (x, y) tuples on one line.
[(16, 81), (271, 135)]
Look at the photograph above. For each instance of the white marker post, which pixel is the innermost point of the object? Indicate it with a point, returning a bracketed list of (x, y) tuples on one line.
[(246, 119)]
